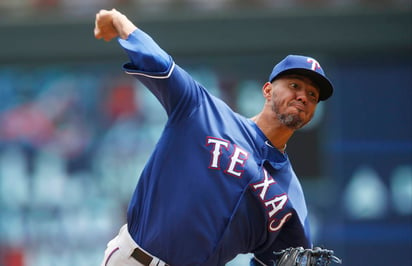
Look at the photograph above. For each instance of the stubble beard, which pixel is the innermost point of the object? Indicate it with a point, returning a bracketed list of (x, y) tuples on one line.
[(291, 121)]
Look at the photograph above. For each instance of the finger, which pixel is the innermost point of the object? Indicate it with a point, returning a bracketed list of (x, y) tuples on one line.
[(97, 33), (96, 29), (108, 38)]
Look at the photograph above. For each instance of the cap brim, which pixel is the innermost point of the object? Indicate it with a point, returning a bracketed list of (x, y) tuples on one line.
[(324, 85)]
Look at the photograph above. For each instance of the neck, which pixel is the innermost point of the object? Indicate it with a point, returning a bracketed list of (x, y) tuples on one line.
[(281, 150), (277, 133)]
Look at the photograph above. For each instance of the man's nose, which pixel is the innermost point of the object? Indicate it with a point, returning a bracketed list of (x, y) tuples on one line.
[(301, 96)]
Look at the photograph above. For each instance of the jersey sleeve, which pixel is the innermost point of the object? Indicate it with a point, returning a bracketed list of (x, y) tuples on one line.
[(265, 259), (155, 68), (291, 235), (282, 200), (146, 57)]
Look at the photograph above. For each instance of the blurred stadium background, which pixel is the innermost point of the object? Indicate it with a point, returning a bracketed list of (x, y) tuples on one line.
[(75, 131)]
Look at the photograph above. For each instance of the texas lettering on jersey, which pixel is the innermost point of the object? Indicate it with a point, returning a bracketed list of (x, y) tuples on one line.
[(273, 205), (237, 159), (235, 167)]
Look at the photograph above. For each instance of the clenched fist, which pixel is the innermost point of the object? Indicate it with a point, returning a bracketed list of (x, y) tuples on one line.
[(110, 24)]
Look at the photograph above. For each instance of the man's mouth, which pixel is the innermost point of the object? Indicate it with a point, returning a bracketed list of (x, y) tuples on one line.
[(299, 106)]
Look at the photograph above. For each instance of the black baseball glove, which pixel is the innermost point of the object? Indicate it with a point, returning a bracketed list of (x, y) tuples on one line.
[(305, 257)]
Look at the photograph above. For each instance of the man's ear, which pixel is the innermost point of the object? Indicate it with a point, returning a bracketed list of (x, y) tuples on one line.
[(267, 90)]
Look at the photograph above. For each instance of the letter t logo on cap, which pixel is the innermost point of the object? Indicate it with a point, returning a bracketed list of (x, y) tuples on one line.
[(315, 64)]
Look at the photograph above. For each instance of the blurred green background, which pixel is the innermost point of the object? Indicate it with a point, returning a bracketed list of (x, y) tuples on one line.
[(75, 131)]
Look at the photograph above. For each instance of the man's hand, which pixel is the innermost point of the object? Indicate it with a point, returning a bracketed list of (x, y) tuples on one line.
[(110, 24)]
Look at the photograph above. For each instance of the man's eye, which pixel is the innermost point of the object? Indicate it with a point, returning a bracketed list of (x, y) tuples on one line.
[(313, 95), (294, 85)]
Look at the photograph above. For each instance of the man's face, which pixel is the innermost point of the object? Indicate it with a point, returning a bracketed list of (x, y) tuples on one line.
[(293, 100)]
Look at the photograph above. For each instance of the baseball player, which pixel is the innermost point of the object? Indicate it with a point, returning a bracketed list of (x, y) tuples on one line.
[(217, 184)]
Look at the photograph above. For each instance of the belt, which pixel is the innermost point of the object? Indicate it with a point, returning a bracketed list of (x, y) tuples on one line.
[(142, 257)]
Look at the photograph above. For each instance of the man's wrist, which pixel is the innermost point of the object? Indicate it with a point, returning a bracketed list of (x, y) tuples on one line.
[(124, 26)]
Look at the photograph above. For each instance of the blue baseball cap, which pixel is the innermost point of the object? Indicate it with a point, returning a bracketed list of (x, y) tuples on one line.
[(305, 66)]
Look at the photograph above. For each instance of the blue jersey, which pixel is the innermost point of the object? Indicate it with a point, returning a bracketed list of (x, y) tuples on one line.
[(214, 187)]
